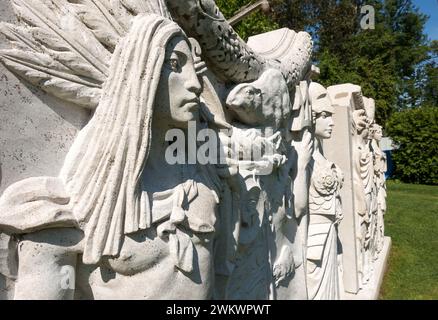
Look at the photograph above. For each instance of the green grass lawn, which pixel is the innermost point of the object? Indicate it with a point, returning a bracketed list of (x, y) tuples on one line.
[(412, 223)]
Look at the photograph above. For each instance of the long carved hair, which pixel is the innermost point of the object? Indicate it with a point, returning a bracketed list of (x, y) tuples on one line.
[(102, 171)]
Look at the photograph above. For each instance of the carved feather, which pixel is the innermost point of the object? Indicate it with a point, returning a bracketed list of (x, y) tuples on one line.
[(119, 12), (19, 37), (97, 17), (150, 6), (65, 46), (38, 40), (64, 30), (56, 51), (51, 76)]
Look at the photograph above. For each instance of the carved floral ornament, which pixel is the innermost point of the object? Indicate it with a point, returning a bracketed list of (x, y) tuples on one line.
[(326, 182)]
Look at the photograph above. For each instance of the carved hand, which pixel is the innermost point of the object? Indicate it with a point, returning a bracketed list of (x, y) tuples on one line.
[(339, 217), (285, 265), (304, 149)]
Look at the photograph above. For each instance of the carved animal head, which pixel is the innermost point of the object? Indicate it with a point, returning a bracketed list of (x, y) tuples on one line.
[(264, 102)]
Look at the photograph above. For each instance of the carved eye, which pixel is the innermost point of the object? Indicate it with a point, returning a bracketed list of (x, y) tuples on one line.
[(324, 115), (174, 64), (249, 92)]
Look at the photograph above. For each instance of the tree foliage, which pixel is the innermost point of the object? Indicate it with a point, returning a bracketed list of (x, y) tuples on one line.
[(255, 23), (427, 79), (415, 132)]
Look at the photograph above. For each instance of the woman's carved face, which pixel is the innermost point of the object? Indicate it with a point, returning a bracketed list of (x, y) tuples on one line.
[(179, 88), (378, 134), (324, 125)]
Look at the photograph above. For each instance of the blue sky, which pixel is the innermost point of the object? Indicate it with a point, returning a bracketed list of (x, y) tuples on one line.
[(430, 7)]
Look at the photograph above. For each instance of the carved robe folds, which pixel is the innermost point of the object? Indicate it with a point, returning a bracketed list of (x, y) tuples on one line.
[(325, 212), (129, 223)]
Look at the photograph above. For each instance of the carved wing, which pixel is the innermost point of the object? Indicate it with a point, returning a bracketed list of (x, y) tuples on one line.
[(64, 46), (228, 56)]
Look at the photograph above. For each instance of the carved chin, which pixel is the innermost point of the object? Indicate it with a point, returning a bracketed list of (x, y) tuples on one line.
[(325, 135), (184, 118)]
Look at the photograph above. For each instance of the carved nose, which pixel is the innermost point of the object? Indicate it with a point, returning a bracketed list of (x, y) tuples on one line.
[(332, 123), (195, 87), (192, 83)]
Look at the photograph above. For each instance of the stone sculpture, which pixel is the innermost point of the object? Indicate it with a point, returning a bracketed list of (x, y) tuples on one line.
[(368, 212), (229, 57), (363, 260), (257, 218), (362, 178), (270, 247), (325, 210), (380, 168), (115, 211)]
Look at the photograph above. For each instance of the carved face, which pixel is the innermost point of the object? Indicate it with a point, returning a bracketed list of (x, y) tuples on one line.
[(177, 100), (324, 125), (378, 134)]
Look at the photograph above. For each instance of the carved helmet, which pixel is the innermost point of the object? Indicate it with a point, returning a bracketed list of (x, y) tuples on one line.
[(319, 99)]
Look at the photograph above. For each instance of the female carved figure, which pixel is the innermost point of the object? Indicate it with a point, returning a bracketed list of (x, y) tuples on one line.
[(130, 224), (126, 222), (368, 218), (362, 179), (379, 173), (325, 212)]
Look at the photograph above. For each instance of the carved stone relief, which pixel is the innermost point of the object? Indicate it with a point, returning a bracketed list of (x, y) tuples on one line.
[(363, 240), (195, 168)]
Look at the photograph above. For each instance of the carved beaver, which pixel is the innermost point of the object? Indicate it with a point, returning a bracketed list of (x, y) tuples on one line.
[(262, 103)]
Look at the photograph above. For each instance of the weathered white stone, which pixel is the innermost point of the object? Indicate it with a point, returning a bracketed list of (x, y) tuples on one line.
[(36, 129), (325, 209), (340, 149), (91, 207), (362, 232)]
